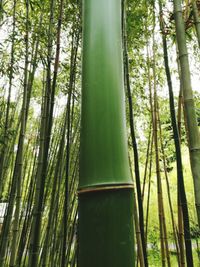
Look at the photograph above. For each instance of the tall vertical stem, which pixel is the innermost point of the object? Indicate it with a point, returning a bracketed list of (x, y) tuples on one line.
[(106, 236), (191, 120)]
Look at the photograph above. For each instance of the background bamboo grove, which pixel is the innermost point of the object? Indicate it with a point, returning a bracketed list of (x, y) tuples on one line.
[(99, 133)]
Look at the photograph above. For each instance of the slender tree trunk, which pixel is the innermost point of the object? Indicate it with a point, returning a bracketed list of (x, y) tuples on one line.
[(7, 119), (193, 131), (17, 174), (180, 213), (56, 65), (134, 142), (147, 161), (149, 189), (45, 134), (181, 186), (196, 20), (140, 256), (154, 108), (74, 49), (20, 159)]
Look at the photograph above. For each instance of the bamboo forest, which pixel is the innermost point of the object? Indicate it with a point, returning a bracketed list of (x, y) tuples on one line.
[(99, 133)]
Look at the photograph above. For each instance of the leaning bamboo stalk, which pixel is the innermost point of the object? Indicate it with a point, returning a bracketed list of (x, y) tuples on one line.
[(149, 190), (147, 161), (105, 188)]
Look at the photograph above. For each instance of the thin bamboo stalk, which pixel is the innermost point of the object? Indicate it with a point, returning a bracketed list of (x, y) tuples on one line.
[(193, 131), (181, 187), (196, 20), (134, 141)]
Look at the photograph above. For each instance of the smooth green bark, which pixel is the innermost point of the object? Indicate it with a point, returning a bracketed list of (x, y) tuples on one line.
[(104, 151), (106, 236)]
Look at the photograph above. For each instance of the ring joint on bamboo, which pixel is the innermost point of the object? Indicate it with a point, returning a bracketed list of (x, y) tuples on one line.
[(194, 149), (105, 188), (183, 55), (189, 100)]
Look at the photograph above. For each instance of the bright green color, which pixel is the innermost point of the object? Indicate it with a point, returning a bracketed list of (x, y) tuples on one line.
[(104, 151), (105, 235)]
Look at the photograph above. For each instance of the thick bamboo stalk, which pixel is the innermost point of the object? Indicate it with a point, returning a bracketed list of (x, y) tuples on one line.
[(106, 236)]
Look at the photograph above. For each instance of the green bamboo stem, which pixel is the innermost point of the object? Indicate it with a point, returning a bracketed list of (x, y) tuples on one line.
[(7, 119), (180, 212), (140, 255), (106, 236), (149, 189), (75, 43), (17, 177), (45, 134), (147, 161), (154, 109), (180, 180), (193, 131), (20, 159), (45, 251), (196, 20), (134, 141), (38, 197), (168, 195), (26, 225)]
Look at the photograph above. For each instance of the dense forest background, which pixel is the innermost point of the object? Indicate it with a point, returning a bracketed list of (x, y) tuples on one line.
[(40, 100)]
